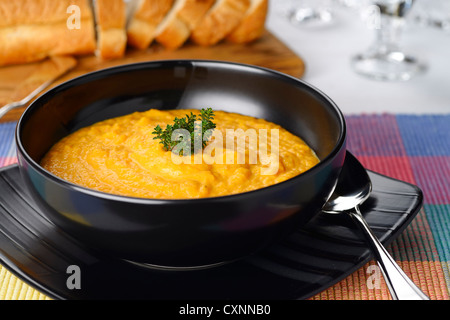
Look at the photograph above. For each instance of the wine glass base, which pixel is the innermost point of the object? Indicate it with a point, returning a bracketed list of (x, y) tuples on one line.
[(388, 66), (310, 17)]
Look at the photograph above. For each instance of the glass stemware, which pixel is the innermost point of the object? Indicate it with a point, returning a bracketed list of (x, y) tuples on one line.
[(385, 60), (309, 13), (432, 13)]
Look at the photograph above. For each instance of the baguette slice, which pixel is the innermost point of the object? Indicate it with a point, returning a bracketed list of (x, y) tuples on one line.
[(144, 21), (26, 12), (219, 21), (29, 42), (253, 24), (110, 24), (176, 28)]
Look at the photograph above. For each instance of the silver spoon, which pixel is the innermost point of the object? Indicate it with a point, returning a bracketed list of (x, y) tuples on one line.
[(18, 104), (52, 70), (353, 188)]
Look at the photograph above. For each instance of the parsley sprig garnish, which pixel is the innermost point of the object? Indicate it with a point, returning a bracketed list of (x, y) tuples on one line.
[(191, 124)]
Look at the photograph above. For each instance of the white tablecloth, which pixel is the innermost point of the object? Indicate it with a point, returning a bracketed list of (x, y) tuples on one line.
[(327, 52)]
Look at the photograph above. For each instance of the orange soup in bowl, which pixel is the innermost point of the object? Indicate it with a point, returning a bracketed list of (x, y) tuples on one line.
[(121, 156)]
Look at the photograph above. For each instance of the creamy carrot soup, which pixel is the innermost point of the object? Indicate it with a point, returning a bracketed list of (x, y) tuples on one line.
[(120, 156)]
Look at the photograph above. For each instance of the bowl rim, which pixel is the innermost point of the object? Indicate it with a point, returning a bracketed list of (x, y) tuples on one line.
[(102, 73)]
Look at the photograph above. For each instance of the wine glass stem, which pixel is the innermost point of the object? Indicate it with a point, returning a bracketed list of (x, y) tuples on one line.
[(388, 33)]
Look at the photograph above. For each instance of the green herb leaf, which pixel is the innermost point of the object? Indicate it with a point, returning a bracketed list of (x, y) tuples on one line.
[(188, 123)]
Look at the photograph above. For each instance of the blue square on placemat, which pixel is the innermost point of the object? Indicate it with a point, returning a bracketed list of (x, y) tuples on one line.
[(7, 144), (425, 135)]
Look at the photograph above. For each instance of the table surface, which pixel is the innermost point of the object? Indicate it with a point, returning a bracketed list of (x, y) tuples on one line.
[(327, 51)]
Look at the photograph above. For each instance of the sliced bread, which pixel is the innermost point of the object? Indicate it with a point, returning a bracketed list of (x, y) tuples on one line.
[(179, 23), (145, 20), (223, 17), (252, 25), (46, 32), (110, 24)]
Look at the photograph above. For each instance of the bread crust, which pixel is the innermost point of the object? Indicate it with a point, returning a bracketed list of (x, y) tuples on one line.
[(25, 12), (110, 25), (181, 23), (28, 41), (174, 34), (253, 24), (219, 21), (144, 21), (32, 30)]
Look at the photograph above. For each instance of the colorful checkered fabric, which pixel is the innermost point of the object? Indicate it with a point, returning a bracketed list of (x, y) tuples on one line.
[(415, 149), (411, 148)]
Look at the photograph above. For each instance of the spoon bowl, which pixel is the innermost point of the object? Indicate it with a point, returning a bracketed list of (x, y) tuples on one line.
[(353, 188), (347, 196)]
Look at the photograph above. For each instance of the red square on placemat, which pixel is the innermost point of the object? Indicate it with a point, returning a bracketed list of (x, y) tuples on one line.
[(374, 135), (6, 161), (391, 166), (432, 176)]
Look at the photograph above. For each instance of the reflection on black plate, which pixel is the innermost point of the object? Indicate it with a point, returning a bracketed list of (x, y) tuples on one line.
[(325, 251)]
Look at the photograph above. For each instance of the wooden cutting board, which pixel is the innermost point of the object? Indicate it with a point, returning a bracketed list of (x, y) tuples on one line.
[(268, 52)]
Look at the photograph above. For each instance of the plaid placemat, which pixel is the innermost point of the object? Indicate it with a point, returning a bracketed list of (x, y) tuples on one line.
[(411, 148)]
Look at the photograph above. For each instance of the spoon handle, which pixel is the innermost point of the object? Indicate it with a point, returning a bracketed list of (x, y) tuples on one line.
[(17, 104), (400, 286)]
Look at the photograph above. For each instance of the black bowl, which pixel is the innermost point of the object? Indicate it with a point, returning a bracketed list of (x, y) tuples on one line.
[(191, 232)]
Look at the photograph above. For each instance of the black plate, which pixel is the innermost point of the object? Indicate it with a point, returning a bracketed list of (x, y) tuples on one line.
[(325, 251)]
